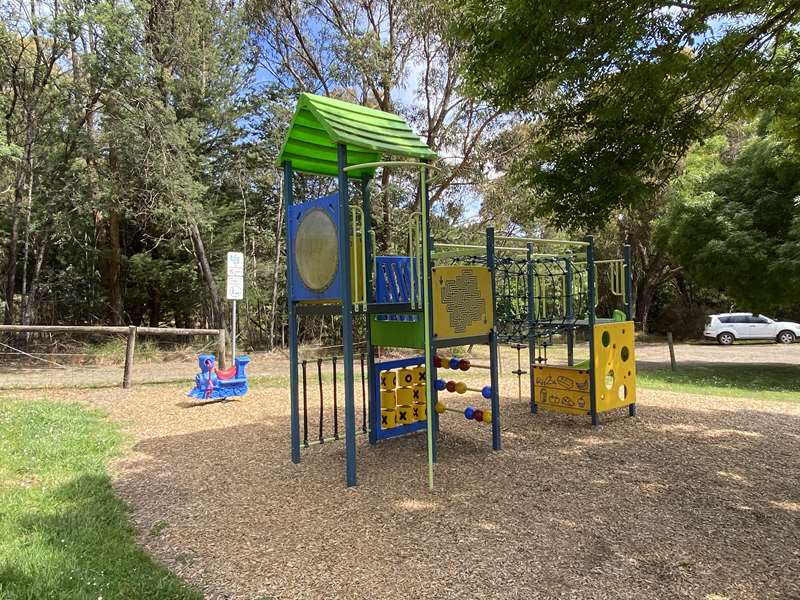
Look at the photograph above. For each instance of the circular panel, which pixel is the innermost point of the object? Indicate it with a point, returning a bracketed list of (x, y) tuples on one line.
[(316, 250)]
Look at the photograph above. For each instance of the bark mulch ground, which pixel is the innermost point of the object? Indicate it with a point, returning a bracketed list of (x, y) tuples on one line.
[(695, 498)]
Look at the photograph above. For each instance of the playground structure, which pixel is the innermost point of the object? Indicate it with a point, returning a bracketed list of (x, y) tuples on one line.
[(430, 296), (212, 383), (403, 300), (552, 287)]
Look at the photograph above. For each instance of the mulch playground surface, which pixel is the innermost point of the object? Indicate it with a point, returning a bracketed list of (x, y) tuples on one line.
[(695, 498)]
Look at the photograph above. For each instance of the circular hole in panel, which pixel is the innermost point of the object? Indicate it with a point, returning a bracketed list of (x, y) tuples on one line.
[(623, 392), (609, 380), (316, 250), (625, 354), (606, 339)]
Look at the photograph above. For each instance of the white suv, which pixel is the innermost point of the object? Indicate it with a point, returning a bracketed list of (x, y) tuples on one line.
[(727, 327)]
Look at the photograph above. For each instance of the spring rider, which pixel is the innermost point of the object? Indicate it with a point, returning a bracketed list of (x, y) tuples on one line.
[(213, 384)]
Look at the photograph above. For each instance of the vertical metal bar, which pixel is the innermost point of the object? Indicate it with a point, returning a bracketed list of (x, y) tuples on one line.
[(531, 326), (233, 331), (321, 400), (347, 319), (288, 192), (427, 310), (590, 266), (372, 409), (626, 253), (495, 380), (570, 311), (335, 401), (363, 396), (305, 407)]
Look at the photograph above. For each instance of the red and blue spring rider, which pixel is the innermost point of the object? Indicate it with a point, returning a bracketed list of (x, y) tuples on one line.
[(214, 384)]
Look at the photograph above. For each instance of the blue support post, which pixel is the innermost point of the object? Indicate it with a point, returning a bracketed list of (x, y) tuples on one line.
[(495, 380), (531, 326), (347, 318), (591, 319), (288, 197), (626, 254)]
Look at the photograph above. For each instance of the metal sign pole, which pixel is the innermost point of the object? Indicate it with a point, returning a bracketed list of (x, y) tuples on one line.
[(233, 334)]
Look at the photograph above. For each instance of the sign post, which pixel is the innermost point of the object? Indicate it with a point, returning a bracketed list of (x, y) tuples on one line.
[(234, 286)]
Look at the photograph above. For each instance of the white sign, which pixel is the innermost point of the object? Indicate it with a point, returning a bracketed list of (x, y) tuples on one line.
[(235, 264), (234, 284)]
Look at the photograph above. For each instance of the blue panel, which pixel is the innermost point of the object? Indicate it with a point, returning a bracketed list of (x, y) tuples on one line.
[(393, 284), (375, 415), (299, 291)]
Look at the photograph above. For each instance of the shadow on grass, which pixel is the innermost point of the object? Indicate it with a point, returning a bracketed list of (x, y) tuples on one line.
[(82, 547)]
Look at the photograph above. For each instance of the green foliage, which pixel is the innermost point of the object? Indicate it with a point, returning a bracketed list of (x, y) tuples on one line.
[(735, 226), (622, 89), (63, 533)]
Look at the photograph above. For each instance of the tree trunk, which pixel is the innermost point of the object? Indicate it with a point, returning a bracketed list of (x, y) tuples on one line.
[(114, 268), (11, 264), (215, 302), (276, 276), (155, 306)]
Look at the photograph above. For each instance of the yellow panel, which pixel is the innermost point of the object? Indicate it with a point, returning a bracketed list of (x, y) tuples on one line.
[(388, 418), (388, 380), (571, 402), (561, 378), (405, 395), (406, 377), (614, 365), (462, 302), (419, 411), (405, 414), (388, 399)]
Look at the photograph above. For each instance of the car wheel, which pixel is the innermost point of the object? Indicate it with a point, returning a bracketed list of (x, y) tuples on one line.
[(786, 337), (726, 339)]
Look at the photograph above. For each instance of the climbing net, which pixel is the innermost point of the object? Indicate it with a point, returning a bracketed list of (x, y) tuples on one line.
[(559, 297)]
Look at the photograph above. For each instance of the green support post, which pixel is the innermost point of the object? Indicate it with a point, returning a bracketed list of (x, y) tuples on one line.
[(372, 403), (347, 318), (591, 319), (288, 196), (427, 306)]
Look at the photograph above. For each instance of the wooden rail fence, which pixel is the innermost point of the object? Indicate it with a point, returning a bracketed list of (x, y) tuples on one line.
[(130, 332)]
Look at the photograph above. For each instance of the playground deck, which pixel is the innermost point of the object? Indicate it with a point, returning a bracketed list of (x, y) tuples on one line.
[(695, 498)]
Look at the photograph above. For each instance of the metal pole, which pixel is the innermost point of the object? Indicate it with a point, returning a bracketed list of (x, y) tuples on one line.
[(591, 318), (493, 354), (345, 283), (569, 311), (288, 191), (233, 332), (531, 326), (374, 409), (427, 310), (626, 253)]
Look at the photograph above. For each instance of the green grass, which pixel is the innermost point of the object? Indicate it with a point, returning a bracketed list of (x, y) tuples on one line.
[(763, 382), (63, 533)]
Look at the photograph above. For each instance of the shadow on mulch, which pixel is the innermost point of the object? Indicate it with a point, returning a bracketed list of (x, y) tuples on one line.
[(675, 503)]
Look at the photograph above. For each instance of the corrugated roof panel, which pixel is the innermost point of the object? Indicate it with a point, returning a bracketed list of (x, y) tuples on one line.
[(320, 123)]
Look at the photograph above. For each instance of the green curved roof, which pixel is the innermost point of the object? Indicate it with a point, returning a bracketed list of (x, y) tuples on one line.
[(321, 123)]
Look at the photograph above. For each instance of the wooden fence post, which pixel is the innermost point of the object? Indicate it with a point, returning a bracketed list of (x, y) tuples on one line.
[(221, 349), (129, 348), (672, 364)]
